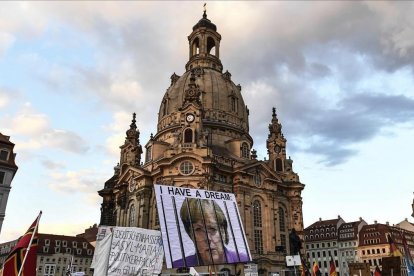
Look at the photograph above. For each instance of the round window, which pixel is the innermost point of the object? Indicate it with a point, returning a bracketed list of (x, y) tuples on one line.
[(186, 167)]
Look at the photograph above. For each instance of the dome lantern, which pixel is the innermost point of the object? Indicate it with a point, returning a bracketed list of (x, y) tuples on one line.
[(204, 46)]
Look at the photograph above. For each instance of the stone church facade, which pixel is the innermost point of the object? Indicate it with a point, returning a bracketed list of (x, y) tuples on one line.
[(203, 141)]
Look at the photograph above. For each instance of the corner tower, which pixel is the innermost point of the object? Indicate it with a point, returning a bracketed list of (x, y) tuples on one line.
[(203, 141)]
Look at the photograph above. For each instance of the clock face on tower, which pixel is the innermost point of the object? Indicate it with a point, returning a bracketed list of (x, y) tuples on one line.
[(190, 118), (277, 149)]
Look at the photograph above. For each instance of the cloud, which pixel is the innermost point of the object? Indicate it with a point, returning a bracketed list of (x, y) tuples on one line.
[(65, 140), (33, 130), (4, 99), (30, 123), (52, 165), (6, 41), (85, 182)]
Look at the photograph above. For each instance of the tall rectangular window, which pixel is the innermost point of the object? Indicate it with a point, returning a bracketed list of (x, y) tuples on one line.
[(4, 154), (258, 241), (2, 177)]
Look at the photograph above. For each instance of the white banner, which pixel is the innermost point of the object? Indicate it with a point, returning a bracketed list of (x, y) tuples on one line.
[(135, 251), (103, 231), (200, 227), (102, 255)]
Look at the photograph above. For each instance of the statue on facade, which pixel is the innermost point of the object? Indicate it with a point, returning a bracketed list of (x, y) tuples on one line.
[(295, 243)]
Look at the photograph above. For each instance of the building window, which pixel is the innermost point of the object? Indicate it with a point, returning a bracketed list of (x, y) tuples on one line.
[(257, 226), (245, 150), (257, 214), (57, 242), (49, 270), (233, 104), (2, 177), (257, 179), (282, 224), (4, 155), (279, 166), (283, 241), (132, 215), (64, 243), (186, 168), (188, 135), (74, 244), (148, 156), (258, 241)]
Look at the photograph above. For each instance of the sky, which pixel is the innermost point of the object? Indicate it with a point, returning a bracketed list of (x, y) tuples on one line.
[(340, 75)]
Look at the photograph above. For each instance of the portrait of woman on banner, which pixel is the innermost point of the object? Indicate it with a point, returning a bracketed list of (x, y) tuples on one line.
[(209, 229)]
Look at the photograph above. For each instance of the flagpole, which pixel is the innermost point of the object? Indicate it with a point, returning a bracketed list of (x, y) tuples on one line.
[(30, 244)]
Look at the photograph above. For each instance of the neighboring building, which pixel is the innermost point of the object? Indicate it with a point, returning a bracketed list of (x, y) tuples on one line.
[(90, 234), (203, 141), (406, 225), (321, 244), (8, 169), (348, 236), (5, 248), (55, 253), (374, 245)]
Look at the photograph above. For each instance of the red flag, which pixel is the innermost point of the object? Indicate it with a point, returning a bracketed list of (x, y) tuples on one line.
[(332, 269), (377, 271), (315, 270), (15, 259)]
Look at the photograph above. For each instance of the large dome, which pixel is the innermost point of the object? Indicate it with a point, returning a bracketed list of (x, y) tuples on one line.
[(221, 99)]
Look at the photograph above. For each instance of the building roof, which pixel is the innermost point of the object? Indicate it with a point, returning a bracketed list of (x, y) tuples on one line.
[(205, 23), (53, 244), (323, 223), (5, 139)]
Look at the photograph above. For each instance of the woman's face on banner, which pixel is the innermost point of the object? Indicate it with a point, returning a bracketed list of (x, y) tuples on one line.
[(210, 240)]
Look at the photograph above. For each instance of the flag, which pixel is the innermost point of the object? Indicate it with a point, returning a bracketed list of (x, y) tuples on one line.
[(315, 270), (304, 270), (377, 271), (407, 256), (18, 259), (394, 251), (332, 269)]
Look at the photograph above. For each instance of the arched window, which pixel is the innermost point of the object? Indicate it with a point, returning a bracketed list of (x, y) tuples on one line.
[(188, 135), (245, 150), (148, 155), (132, 214), (257, 226), (164, 107), (211, 46), (279, 166), (195, 47), (257, 214)]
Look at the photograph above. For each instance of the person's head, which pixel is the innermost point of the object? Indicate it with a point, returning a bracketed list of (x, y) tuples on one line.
[(206, 224)]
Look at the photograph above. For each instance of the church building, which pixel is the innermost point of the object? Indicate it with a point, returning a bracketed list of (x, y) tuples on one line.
[(203, 141)]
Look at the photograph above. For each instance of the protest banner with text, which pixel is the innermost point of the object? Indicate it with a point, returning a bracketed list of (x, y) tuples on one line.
[(135, 251), (200, 227)]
